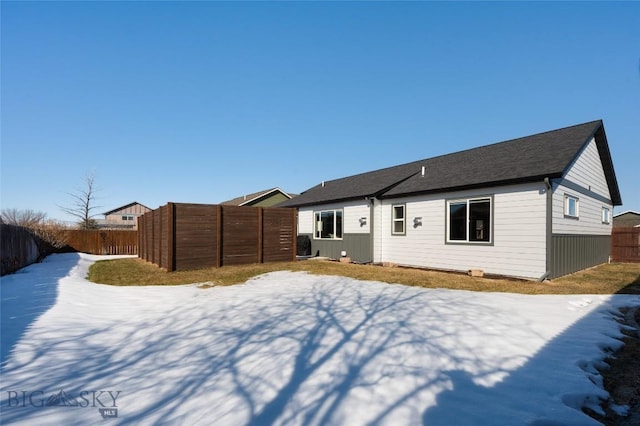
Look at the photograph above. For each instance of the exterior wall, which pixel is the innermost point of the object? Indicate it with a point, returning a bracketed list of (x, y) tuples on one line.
[(357, 246), (356, 239), (626, 220), (587, 171), (586, 181), (585, 241), (589, 220), (518, 247), (270, 201), (572, 253), (115, 218)]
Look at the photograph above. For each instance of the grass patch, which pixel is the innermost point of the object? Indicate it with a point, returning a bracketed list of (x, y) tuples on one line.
[(604, 279)]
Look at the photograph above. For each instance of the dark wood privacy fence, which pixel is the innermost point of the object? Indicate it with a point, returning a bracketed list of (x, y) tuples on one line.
[(181, 236), (103, 242), (19, 248), (625, 245)]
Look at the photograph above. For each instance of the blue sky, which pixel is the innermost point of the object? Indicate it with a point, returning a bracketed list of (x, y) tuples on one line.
[(205, 101)]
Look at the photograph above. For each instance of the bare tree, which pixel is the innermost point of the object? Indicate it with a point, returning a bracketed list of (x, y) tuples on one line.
[(82, 203), (50, 231), (27, 218), (53, 232)]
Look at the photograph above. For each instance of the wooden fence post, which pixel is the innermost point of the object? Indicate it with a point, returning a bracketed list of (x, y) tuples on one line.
[(294, 232), (171, 234), (218, 211), (140, 231), (154, 237)]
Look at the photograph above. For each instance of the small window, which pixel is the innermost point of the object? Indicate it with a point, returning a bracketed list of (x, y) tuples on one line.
[(606, 215), (328, 225), (571, 206), (398, 220), (127, 217), (469, 220)]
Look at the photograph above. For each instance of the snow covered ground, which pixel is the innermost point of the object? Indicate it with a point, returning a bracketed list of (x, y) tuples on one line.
[(293, 348)]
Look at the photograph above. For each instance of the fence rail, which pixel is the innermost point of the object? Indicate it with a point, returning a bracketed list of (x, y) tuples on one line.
[(625, 245), (103, 241), (181, 236)]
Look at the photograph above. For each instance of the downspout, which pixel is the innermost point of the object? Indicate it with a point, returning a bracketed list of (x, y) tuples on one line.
[(549, 229), (371, 201)]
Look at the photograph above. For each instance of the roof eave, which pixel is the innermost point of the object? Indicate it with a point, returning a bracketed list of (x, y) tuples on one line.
[(607, 163), (538, 178), (599, 135), (329, 201)]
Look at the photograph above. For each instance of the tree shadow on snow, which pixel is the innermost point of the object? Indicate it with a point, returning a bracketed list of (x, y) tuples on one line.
[(301, 360), (516, 399), (308, 357), (27, 294)]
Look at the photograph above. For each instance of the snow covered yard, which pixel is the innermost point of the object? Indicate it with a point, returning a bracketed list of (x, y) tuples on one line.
[(293, 348)]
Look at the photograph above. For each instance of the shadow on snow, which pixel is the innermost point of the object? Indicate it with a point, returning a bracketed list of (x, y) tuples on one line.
[(314, 357), (23, 301)]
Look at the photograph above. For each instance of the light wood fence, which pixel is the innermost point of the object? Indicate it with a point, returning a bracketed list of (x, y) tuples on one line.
[(103, 241), (625, 245)]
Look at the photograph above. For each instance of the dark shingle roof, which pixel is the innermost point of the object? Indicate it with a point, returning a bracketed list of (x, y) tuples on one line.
[(526, 159), (354, 187)]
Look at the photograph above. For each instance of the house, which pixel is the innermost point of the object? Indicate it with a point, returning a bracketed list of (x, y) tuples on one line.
[(534, 207), (266, 198), (124, 217), (628, 219)]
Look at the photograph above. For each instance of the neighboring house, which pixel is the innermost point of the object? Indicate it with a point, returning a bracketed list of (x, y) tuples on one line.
[(535, 207), (266, 198), (125, 217), (628, 219)]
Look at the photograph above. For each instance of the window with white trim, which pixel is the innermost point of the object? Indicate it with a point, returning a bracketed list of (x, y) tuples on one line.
[(398, 219), (127, 217), (571, 206), (328, 225), (469, 220), (606, 215)]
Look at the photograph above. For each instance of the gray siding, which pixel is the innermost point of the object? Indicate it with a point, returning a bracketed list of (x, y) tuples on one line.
[(357, 246), (571, 253), (518, 226)]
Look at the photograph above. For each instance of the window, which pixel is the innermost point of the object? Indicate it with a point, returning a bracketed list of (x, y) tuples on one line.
[(571, 206), (606, 215), (127, 217), (398, 220), (469, 220), (328, 225)]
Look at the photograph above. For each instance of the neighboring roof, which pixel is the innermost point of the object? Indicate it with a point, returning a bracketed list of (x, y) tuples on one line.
[(256, 196), (526, 159), (630, 212), (125, 207), (626, 219)]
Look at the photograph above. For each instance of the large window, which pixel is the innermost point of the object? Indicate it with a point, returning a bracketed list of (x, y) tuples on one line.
[(469, 220), (398, 220), (328, 225), (571, 206)]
